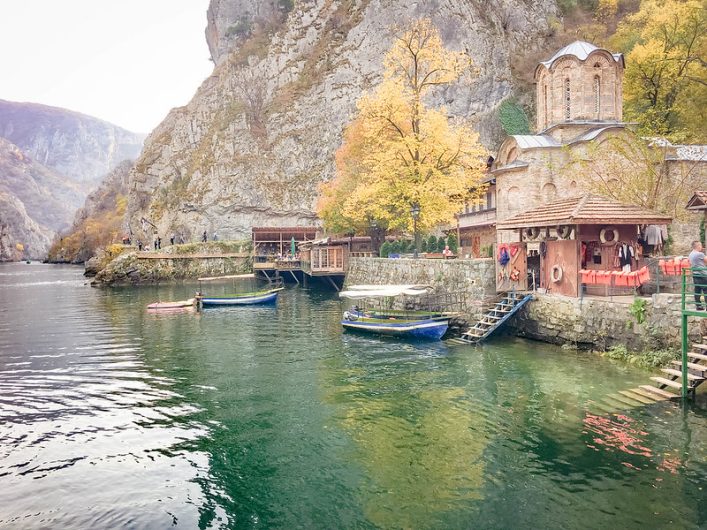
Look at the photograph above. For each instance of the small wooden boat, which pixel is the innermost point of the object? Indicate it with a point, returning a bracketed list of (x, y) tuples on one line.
[(260, 297), (430, 328), (398, 323), (167, 306)]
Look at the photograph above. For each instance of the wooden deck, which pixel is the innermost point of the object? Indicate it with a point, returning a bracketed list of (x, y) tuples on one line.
[(165, 255)]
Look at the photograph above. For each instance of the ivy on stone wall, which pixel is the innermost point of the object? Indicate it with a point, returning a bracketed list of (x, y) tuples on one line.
[(513, 118)]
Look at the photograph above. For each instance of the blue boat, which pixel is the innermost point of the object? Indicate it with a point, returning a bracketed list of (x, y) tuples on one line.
[(262, 297), (431, 329), (397, 323)]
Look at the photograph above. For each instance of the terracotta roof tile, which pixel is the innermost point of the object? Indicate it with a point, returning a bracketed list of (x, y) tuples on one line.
[(584, 209), (698, 201)]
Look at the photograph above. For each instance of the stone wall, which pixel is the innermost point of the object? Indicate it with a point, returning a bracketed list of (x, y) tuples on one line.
[(475, 278), (602, 323), (130, 269)]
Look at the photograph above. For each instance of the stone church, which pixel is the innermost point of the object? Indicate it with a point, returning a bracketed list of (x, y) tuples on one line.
[(579, 106)]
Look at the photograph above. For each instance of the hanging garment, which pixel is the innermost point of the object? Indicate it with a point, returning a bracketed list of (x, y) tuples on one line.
[(654, 235), (626, 256)]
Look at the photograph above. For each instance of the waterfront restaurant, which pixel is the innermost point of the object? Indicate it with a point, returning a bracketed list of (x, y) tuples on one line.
[(587, 240)]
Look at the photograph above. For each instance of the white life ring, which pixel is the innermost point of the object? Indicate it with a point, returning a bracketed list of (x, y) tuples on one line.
[(564, 231), (615, 234), (556, 273), (350, 316), (532, 233)]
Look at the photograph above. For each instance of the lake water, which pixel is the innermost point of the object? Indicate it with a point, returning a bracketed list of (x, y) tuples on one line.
[(272, 417)]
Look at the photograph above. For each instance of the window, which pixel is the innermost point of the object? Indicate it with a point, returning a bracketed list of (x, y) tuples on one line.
[(545, 104), (597, 96), (489, 200), (567, 99)]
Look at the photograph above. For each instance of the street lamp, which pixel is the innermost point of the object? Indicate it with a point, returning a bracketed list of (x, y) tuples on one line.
[(415, 211), (374, 236)]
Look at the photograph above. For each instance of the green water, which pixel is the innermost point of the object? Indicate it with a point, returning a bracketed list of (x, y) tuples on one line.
[(272, 417)]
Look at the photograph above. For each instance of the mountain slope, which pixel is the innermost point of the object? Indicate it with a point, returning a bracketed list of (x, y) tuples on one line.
[(260, 134), (48, 197), (79, 146), (20, 236), (99, 222)]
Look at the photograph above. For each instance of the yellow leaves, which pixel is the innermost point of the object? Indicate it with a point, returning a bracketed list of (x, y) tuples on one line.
[(398, 151), (666, 75)]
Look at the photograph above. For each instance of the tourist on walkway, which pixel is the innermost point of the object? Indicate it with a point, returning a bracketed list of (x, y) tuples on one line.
[(204, 237), (139, 245), (699, 273), (171, 240)]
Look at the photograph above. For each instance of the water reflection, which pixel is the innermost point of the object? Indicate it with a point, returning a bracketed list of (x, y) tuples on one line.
[(111, 416)]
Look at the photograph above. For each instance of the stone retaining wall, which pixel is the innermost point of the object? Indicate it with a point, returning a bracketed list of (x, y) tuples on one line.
[(131, 269), (602, 323), (475, 278)]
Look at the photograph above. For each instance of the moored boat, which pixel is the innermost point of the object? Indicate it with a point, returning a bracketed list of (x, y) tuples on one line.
[(180, 304), (417, 324), (260, 297)]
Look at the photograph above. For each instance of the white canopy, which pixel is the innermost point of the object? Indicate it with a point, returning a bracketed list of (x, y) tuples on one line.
[(378, 291)]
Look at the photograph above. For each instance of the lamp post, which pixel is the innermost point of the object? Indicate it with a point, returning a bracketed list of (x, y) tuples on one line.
[(374, 236), (415, 212)]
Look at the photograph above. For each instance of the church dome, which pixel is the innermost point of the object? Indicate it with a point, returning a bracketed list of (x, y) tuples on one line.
[(579, 49)]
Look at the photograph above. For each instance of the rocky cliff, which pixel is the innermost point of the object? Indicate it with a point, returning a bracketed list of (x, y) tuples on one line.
[(81, 147), (98, 223), (20, 236), (38, 201), (260, 133)]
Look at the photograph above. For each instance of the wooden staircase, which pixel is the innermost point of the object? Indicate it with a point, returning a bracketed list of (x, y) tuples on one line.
[(667, 386), (494, 318)]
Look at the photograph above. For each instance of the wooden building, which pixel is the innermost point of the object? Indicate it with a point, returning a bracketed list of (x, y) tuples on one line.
[(587, 232), (330, 256)]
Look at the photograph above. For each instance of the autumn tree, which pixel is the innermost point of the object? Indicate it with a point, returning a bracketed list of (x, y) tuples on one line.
[(665, 87), (399, 151), (638, 171)]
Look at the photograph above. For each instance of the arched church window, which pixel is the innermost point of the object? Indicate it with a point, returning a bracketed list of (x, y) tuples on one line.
[(545, 104), (596, 89), (567, 99)]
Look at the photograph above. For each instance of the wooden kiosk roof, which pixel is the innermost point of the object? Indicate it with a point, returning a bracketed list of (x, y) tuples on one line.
[(698, 201), (586, 209)]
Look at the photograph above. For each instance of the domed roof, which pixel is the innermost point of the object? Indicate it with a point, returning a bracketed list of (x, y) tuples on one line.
[(580, 49)]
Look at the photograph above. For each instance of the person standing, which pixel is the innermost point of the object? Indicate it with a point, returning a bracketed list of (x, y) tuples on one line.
[(699, 273), (204, 237)]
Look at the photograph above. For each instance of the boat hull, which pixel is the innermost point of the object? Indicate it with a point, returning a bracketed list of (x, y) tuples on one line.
[(418, 329), (171, 306), (267, 298)]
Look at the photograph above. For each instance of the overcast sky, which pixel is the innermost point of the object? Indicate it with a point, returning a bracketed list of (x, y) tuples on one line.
[(124, 61)]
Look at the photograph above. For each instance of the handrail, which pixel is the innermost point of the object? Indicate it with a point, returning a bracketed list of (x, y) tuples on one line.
[(685, 312)]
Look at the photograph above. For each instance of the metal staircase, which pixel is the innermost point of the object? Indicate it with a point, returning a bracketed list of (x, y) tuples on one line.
[(494, 318)]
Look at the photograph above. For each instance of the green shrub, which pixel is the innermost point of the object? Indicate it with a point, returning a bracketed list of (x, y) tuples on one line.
[(385, 249), (423, 244), (638, 310), (441, 243), (453, 243), (513, 118), (432, 244), (647, 359)]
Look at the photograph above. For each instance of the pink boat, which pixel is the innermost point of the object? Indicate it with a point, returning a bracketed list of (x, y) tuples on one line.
[(181, 304)]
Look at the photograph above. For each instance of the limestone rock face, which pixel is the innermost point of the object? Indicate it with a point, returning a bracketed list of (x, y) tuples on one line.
[(48, 197), (260, 134), (81, 147), (104, 208), (18, 227)]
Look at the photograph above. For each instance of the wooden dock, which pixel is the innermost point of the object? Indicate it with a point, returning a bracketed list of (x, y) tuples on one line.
[(166, 255)]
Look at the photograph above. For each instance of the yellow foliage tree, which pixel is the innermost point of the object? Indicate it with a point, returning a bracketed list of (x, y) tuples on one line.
[(399, 152), (665, 87)]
